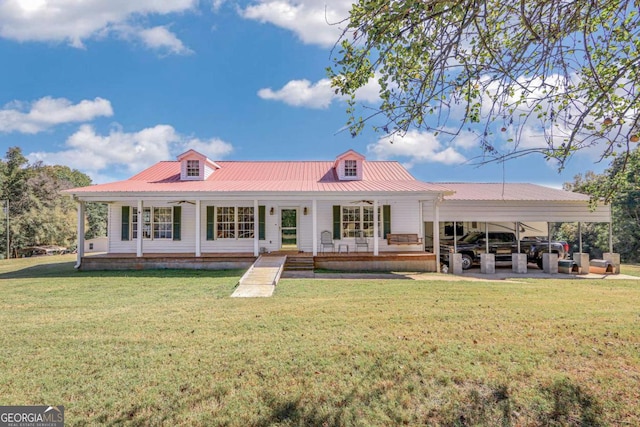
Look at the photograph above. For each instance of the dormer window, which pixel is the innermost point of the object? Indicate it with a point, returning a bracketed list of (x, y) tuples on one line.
[(193, 168), (350, 168)]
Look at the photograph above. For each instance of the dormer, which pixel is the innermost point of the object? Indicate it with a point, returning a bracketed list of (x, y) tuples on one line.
[(195, 166), (349, 165)]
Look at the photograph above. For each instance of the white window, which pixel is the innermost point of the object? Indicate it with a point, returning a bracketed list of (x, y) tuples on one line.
[(226, 222), (234, 222), (245, 223), (161, 223), (193, 167), (350, 168), (359, 219)]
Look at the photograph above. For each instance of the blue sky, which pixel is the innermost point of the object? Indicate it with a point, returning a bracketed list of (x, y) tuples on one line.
[(110, 87)]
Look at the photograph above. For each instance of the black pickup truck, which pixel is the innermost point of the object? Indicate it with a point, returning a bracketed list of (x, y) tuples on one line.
[(502, 244)]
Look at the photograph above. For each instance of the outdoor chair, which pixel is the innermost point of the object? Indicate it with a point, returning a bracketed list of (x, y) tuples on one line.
[(326, 241), (361, 241)]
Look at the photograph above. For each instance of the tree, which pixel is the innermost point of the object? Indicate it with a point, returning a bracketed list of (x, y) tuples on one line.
[(564, 69), (40, 214), (625, 206)]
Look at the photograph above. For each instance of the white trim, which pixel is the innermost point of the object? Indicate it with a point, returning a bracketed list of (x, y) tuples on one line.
[(140, 224), (198, 229), (256, 227), (80, 248), (376, 228), (314, 227)]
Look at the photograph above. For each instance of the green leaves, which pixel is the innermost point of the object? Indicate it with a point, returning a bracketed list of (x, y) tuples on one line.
[(560, 67), (39, 213)]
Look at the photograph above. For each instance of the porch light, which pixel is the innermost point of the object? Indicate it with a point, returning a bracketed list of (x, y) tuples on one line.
[(305, 210), (271, 211)]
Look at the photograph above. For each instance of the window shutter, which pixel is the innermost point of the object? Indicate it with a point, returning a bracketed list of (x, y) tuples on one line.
[(336, 222), (211, 212), (386, 218), (261, 222), (125, 223), (177, 219)]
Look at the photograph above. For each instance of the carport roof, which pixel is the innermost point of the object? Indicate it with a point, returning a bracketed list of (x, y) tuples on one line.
[(510, 192)]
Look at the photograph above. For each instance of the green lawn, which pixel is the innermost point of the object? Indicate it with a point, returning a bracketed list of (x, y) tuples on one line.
[(171, 348)]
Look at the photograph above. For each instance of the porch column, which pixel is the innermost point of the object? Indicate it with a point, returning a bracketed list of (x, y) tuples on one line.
[(140, 223), (376, 228), (314, 226), (80, 249), (256, 233), (421, 223), (436, 232), (198, 227)]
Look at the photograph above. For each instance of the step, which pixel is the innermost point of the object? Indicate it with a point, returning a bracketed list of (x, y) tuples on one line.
[(299, 264)]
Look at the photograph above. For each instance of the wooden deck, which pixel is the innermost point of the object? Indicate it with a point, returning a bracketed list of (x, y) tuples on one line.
[(353, 261)]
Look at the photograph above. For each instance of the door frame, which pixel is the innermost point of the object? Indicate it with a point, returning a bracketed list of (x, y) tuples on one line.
[(290, 208)]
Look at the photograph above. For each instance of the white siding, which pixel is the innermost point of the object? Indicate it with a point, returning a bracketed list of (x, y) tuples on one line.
[(186, 244), (405, 218), (225, 245)]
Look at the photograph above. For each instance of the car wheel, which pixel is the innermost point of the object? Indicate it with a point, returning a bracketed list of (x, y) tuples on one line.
[(467, 261)]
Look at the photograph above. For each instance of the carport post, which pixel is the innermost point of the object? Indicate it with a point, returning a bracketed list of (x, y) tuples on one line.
[(436, 232), (579, 237), (610, 237), (486, 236), (518, 234), (455, 238), (549, 236)]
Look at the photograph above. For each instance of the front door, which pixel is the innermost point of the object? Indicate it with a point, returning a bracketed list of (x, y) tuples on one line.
[(289, 229)]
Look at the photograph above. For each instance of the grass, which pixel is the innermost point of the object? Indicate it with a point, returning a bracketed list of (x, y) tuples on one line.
[(171, 348)]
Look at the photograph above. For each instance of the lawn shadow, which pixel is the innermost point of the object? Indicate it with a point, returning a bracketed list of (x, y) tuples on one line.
[(66, 269), (570, 406)]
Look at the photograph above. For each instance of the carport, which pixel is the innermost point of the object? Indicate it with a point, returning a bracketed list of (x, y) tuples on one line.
[(508, 203)]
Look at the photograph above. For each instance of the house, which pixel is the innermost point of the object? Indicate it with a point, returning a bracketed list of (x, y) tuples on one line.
[(201, 213)]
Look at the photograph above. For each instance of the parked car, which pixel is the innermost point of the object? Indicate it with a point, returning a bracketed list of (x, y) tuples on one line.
[(502, 244)]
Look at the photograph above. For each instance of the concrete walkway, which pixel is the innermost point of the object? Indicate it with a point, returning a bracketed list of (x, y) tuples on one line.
[(261, 278)]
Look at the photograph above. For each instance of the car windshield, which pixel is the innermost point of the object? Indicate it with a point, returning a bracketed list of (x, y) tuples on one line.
[(471, 237)]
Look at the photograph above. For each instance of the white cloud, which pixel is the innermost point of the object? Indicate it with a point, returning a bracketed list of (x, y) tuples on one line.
[(161, 38), (313, 21), (213, 148), (74, 21), (417, 147), (48, 112), (217, 4), (96, 154), (303, 93)]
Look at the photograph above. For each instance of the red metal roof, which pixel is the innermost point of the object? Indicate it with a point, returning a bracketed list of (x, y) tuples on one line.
[(269, 176), (512, 192)]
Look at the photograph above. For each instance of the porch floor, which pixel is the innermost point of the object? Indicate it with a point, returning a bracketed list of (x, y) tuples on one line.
[(353, 261)]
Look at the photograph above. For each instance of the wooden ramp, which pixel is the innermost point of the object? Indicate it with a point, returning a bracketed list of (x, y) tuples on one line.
[(261, 278)]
